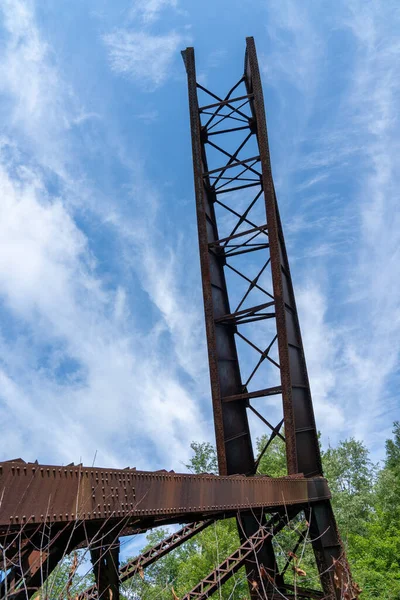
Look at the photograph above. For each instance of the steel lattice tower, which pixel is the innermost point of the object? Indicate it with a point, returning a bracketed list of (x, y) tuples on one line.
[(235, 195)]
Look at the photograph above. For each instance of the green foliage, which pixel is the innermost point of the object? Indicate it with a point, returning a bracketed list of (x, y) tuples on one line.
[(374, 558), (185, 566), (210, 548), (374, 549), (71, 576), (204, 459), (161, 576), (273, 462), (393, 450), (351, 476)]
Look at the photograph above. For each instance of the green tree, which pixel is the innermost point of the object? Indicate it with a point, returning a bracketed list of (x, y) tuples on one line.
[(71, 576), (393, 450), (273, 461), (159, 578), (351, 476), (204, 459), (374, 552)]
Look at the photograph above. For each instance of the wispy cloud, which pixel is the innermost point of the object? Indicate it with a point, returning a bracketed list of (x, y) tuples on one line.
[(374, 101), (354, 152), (79, 371), (148, 117), (321, 344), (86, 372), (144, 57), (149, 10), (37, 104)]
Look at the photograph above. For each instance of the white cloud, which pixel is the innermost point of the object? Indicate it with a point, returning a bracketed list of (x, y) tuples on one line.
[(297, 47), (144, 57), (373, 351), (36, 102), (358, 305), (148, 117), (122, 384), (78, 373), (321, 346), (149, 10)]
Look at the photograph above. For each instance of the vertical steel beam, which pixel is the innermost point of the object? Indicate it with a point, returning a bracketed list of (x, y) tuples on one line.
[(105, 561), (302, 447), (36, 562), (234, 447), (150, 556)]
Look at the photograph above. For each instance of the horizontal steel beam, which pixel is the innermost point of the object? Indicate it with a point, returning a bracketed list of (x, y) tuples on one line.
[(33, 494)]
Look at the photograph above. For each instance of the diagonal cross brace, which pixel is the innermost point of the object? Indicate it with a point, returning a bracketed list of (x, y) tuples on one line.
[(135, 566)]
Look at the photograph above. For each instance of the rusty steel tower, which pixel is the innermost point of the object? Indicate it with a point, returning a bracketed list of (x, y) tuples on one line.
[(47, 511)]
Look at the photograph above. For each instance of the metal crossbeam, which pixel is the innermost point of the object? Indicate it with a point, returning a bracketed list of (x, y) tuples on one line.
[(50, 495)]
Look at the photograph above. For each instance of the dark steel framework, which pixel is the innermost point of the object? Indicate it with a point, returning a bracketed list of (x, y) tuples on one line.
[(47, 511), (240, 233)]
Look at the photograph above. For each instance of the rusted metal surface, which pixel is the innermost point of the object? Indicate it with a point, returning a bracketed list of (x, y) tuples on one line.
[(34, 494), (230, 421), (233, 178), (229, 393), (262, 584), (137, 564), (164, 547), (44, 549), (246, 552), (23, 566), (302, 448), (105, 561), (300, 592)]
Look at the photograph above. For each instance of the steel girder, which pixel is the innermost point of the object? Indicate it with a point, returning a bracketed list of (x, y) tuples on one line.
[(47, 511)]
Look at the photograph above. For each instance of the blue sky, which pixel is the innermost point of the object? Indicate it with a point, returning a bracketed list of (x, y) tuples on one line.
[(102, 344)]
